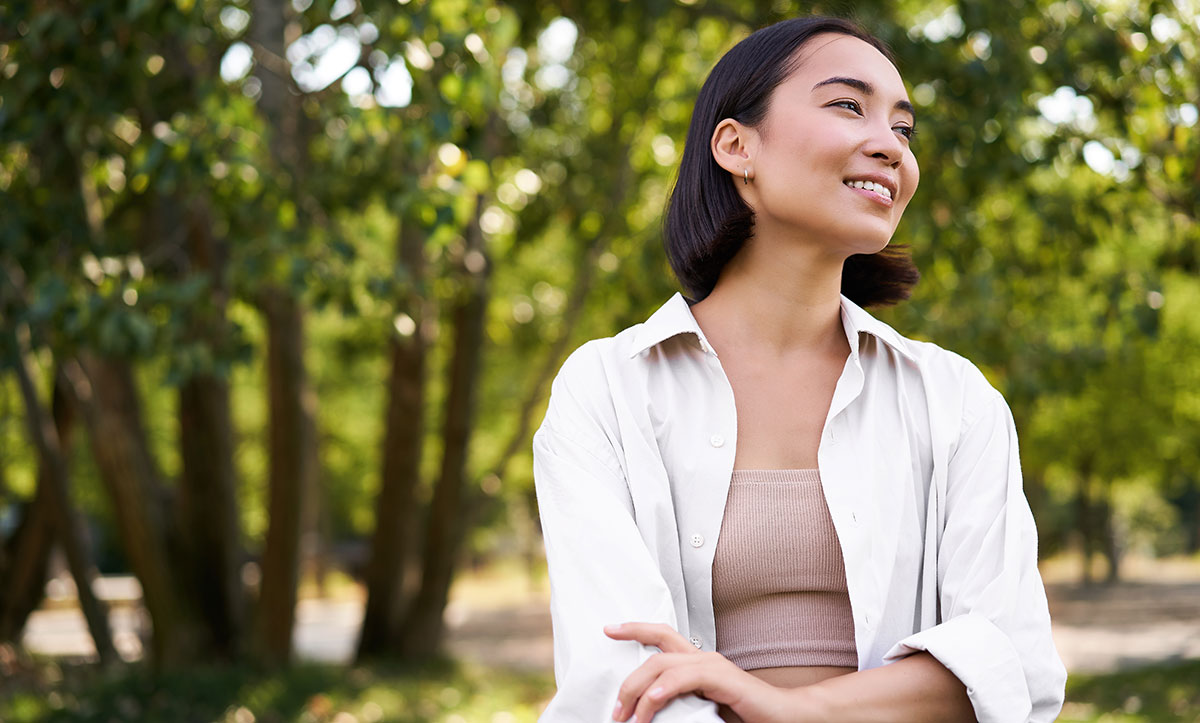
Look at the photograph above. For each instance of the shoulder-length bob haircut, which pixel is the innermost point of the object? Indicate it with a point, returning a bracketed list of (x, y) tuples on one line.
[(707, 222)]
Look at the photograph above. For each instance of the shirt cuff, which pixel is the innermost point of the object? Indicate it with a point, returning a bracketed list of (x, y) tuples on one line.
[(981, 656)]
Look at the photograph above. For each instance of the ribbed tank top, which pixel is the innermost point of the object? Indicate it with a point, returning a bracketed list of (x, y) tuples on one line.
[(778, 578)]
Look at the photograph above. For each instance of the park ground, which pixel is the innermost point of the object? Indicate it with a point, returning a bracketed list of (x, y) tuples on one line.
[(1132, 649)]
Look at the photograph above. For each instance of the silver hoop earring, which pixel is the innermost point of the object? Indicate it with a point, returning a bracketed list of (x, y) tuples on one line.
[(745, 176)]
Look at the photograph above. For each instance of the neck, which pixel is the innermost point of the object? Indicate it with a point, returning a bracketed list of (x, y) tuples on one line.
[(778, 299)]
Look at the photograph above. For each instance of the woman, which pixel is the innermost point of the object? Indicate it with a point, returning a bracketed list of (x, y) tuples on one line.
[(810, 516)]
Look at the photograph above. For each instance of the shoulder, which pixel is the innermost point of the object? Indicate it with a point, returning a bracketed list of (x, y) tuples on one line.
[(951, 382), (587, 380), (947, 367), (613, 362), (964, 411), (593, 363)]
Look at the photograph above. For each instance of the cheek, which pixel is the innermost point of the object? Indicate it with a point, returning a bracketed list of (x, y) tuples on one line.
[(911, 175), (811, 145)]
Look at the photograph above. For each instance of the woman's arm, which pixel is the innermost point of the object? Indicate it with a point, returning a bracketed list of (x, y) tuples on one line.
[(915, 688), (601, 570), (994, 631)]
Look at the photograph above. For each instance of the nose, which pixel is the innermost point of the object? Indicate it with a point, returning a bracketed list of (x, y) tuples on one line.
[(885, 144)]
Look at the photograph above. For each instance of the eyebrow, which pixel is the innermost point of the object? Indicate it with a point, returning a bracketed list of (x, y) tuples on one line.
[(866, 89)]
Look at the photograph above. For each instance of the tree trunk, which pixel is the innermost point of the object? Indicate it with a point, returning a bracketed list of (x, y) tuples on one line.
[(395, 512), (23, 574), (1112, 543), (104, 390), (1084, 523), (1194, 533), (292, 429), (49, 436), (6, 413), (69, 532), (423, 627), (1192, 494), (268, 26), (207, 503), (208, 511), (291, 447)]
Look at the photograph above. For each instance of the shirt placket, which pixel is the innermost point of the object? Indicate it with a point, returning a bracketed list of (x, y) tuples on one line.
[(846, 491), (716, 436)]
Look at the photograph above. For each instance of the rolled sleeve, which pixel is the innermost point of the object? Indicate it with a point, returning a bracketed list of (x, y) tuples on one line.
[(995, 632), (601, 572)]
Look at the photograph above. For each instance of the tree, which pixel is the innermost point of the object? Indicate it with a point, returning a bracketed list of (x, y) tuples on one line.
[(442, 198), (78, 230)]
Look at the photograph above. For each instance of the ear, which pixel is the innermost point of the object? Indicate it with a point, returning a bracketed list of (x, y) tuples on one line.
[(734, 146)]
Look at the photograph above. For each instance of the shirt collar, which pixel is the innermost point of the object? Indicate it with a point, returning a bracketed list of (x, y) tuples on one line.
[(857, 321), (672, 319), (675, 317)]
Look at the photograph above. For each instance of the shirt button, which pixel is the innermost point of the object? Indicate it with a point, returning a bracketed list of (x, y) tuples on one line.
[(697, 540), (716, 440), (695, 641)]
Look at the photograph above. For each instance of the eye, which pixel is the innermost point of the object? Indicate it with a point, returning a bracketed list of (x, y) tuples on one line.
[(848, 104), (909, 132)]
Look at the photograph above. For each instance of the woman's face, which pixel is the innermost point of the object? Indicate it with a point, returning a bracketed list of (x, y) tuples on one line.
[(832, 159)]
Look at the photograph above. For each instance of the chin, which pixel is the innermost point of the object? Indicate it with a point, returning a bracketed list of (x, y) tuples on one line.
[(869, 245), (862, 235), (876, 248)]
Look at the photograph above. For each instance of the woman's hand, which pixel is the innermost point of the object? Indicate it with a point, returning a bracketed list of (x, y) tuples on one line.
[(680, 669)]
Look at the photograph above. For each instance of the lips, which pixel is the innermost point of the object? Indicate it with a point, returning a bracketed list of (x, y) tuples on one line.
[(877, 183)]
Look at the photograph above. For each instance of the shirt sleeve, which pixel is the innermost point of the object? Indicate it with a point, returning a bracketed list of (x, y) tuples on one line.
[(995, 630), (601, 571)]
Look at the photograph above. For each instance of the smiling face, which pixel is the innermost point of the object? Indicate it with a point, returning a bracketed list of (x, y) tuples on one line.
[(831, 160)]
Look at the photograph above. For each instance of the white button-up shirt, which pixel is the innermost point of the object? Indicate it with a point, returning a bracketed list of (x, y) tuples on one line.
[(919, 466)]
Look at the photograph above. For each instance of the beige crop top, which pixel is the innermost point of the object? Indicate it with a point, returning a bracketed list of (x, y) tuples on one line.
[(778, 579)]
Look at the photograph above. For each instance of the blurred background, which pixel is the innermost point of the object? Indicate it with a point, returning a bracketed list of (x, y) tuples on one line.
[(283, 286)]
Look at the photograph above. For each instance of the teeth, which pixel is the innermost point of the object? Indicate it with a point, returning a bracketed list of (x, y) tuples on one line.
[(871, 186)]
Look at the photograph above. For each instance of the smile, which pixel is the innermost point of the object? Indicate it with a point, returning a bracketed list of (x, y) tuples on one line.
[(872, 187)]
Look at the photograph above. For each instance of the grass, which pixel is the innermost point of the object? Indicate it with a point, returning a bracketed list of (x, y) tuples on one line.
[(1168, 692), (41, 690), (444, 692)]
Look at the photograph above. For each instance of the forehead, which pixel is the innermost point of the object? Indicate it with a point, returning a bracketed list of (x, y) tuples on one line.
[(833, 54)]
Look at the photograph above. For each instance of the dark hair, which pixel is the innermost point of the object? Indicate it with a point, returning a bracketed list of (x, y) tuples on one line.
[(707, 222)]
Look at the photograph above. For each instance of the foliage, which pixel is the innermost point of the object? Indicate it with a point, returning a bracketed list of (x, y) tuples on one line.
[(1057, 220), (1056, 225), (1160, 693), (445, 692), (442, 691)]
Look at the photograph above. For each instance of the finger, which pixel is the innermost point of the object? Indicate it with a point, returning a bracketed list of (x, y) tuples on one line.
[(671, 683), (709, 675), (663, 636), (635, 684)]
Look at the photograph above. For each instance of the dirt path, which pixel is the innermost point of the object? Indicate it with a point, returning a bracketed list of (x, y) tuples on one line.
[(1097, 630), (1127, 625)]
